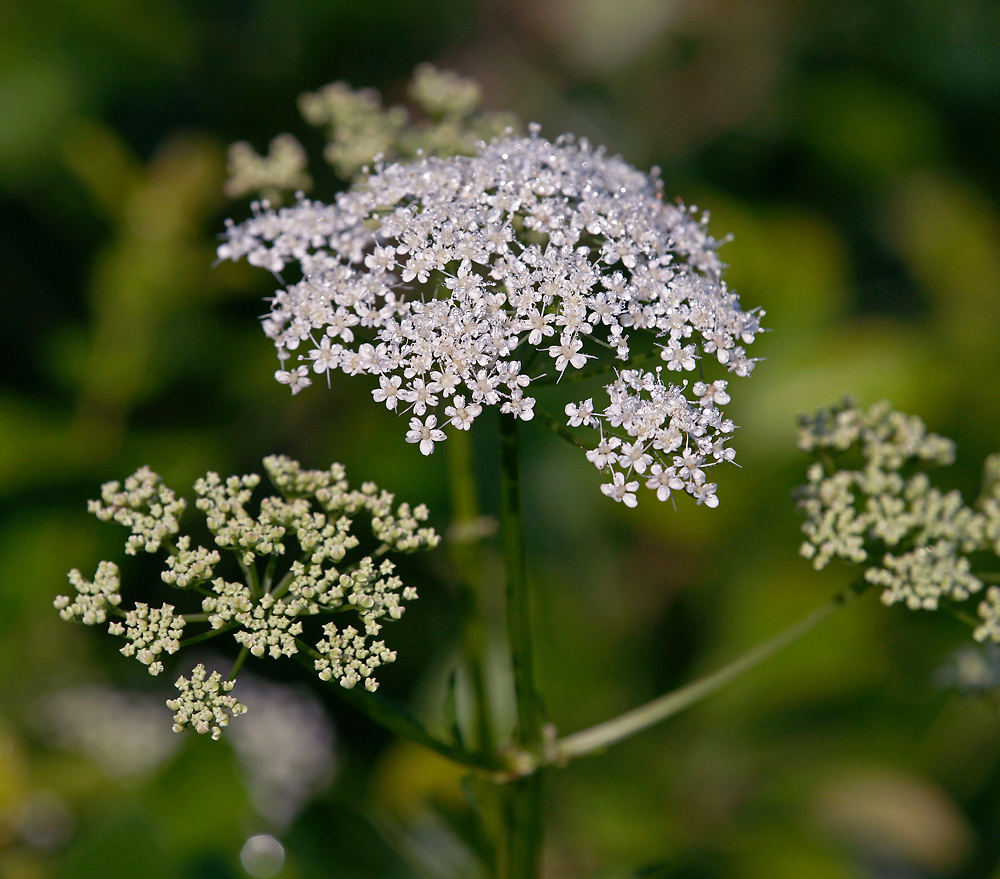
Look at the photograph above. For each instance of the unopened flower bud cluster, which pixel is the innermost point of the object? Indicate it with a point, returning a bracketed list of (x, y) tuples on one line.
[(459, 282), (282, 170), (358, 128), (149, 632), (887, 511), (144, 505), (204, 704), (92, 601), (263, 611)]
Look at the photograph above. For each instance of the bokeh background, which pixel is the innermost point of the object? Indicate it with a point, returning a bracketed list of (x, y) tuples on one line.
[(851, 147)]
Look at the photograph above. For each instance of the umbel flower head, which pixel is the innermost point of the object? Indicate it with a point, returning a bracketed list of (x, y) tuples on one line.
[(869, 501), (267, 608), (457, 283)]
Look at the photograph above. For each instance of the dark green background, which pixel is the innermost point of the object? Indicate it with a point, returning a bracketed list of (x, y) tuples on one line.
[(851, 147)]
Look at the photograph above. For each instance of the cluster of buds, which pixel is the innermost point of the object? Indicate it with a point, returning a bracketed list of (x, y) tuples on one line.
[(267, 608), (869, 501)]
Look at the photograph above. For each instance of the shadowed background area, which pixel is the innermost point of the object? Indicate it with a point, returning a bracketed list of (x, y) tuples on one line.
[(849, 146)]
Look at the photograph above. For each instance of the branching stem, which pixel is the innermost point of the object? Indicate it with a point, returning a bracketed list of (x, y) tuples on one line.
[(609, 732)]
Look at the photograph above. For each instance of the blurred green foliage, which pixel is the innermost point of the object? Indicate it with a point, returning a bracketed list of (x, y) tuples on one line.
[(850, 146)]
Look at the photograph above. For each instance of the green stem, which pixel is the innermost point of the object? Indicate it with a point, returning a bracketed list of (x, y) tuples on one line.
[(250, 575), (964, 616), (205, 636), (518, 611), (522, 806), (521, 815), (240, 659), (272, 564), (465, 554), (279, 589), (559, 427), (622, 727)]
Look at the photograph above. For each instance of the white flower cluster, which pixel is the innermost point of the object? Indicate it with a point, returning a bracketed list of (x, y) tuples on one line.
[(349, 657), (450, 279), (224, 506), (267, 626), (92, 601), (189, 567), (669, 439), (204, 705), (150, 632), (314, 584), (922, 536), (144, 505), (265, 612)]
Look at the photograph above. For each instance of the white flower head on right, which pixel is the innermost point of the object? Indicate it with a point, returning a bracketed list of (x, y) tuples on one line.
[(457, 283)]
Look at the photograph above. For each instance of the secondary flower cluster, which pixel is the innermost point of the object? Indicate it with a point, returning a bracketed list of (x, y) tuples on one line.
[(459, 282), (358, 128), (887, 508), (264, 610), (671, 437)]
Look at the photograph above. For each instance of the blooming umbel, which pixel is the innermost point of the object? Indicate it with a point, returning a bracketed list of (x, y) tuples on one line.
[(919, 543), (458, 283), (266, 608)]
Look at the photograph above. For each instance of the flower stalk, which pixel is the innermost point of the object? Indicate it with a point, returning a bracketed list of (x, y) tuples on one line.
[(522, 807), (463, 546), (598, 738)]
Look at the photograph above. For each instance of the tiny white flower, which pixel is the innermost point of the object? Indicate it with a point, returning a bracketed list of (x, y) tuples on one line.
[(622, 491), (704, 493), (713, 394), (679, 358), (296, 379), (325, 357), (581, 414), (604, 454), (419, 395), (425, 433), (519, 406), (567, 353), (633, 455), (382, 259), (444, 382), (663, 481), (388, 391), (460, 415)]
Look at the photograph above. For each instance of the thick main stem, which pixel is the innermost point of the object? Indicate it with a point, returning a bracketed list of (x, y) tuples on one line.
[(522, 812), (465, 554)]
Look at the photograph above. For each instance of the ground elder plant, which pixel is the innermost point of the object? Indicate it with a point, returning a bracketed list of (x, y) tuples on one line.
[(465, 266)]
